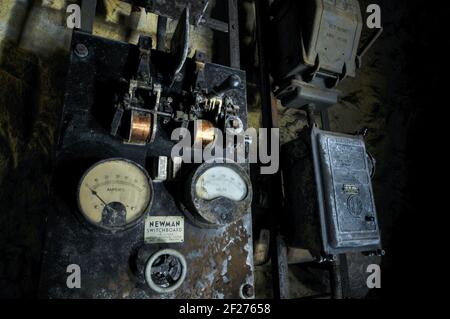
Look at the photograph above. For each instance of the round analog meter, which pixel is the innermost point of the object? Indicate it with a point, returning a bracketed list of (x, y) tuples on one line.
[(218, 194), (221, 181), (115, 193)]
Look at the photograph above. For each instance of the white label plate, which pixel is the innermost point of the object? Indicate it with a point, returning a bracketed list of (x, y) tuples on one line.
[(164, 229)]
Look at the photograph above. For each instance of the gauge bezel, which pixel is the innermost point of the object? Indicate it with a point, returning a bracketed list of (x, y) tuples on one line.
[(134, 222), (196, 207)]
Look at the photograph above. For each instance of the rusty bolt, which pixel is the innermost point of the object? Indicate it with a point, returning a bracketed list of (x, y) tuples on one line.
[(81, 50)]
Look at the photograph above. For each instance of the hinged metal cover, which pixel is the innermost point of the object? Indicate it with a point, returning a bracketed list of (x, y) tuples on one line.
[(344, 189), (333, 35), (321, 35)]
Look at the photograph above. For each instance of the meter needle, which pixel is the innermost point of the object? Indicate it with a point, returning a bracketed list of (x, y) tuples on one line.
[(93, 192), (107, 206)]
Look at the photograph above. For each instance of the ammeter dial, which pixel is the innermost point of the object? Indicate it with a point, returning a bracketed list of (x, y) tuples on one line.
[(115, 193)]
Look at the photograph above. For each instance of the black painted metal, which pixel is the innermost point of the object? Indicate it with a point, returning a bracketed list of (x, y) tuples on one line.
[(220, 261), (215, 24), (277, 246), (161, 33), (88, 10), (233, 34)]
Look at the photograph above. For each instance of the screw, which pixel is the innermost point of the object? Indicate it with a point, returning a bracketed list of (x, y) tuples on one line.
[(81, 50), (178, 77), (381, 252)]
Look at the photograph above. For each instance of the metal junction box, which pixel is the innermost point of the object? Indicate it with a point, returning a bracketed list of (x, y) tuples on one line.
[(329, 195), (344, 192), (319, 41)]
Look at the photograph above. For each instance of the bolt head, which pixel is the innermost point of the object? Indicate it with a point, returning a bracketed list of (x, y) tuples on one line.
[(81, 50)]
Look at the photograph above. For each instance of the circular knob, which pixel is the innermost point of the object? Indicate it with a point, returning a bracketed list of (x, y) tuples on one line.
[(165, 270)]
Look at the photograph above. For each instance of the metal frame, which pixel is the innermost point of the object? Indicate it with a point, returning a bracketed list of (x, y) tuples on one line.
[(233, 34), (88, 9), (269, 120)]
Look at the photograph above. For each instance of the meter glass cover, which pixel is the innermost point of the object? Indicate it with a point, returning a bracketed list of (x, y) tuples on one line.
[(221, 181), (114, 193)]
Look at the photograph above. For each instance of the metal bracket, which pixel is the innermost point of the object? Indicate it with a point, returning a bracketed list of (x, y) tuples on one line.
[(88, 10), (367, 45), (180, 43), (233, 34)]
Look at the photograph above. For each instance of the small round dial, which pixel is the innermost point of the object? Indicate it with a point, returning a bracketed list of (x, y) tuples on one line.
[(221, 181), (166, 270), (115, 193), (217, 194)]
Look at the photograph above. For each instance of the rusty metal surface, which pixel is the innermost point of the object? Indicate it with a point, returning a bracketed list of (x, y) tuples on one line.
[(88, 10), (219, 261), (233, 34)]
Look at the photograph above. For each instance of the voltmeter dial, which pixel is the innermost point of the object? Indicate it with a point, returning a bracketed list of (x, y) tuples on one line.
[(218, 194), (221, 181), (115, 193)]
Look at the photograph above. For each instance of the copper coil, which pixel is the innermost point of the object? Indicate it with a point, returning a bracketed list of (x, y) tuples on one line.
[(204, 133), (141, 127)]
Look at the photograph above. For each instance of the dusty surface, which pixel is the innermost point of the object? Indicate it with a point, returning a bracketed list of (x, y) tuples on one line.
[(385, 97), (29, 103)]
